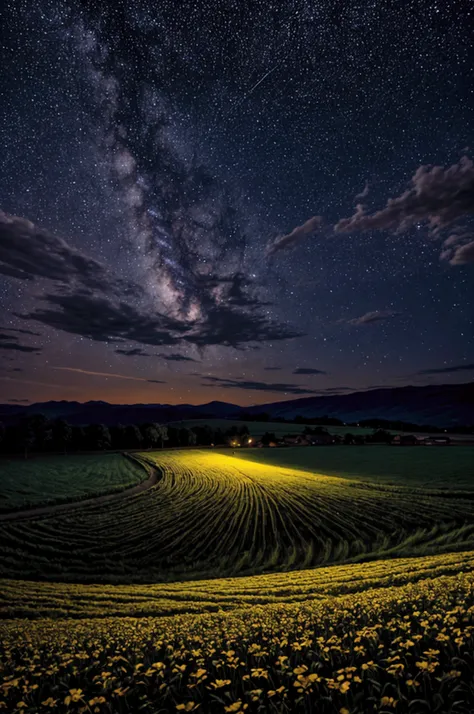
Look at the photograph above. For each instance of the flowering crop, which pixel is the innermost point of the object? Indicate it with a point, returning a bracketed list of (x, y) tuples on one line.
[(405, 648)]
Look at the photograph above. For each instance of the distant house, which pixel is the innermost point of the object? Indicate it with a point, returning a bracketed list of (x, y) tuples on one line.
[(320, 439), (295, 440), (405, 440), (436, 441)]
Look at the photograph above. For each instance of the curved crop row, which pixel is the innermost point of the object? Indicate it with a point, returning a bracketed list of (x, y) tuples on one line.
[(211, 514), (30, 599)]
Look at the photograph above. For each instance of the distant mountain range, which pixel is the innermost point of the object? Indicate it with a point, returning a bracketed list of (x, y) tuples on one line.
[(442, 405)]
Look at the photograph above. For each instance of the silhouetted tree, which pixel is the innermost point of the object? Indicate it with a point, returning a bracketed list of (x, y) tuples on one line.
[(97, 437), (62, 433), (186, 436), (118, 436), (163, 436), (151, 436), (26, 435), (380, 437), (78, 439), (204, 435), (133, 437), (268, 438)]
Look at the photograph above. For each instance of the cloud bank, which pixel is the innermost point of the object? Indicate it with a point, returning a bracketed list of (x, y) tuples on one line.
[(437, 197)]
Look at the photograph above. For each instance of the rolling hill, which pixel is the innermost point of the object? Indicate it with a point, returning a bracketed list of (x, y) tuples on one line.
[(445, 405)]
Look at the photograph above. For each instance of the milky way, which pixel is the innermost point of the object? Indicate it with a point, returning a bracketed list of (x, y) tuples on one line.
[(250, 185)]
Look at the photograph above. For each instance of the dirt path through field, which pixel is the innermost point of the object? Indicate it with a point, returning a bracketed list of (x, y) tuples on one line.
[(34, 512)]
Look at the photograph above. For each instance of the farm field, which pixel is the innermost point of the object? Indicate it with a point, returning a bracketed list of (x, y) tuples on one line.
[(404, 648), (58, 479), (213, 514), (423, 467), (257, 428), (33, 600)]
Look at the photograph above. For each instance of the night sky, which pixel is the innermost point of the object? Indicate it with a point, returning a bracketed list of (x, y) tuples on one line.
[(234, 200)]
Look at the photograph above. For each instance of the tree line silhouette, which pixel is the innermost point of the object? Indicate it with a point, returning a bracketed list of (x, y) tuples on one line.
[(38, 434)]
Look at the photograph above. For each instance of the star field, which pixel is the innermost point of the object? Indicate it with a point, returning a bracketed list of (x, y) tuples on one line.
[(248, 185)]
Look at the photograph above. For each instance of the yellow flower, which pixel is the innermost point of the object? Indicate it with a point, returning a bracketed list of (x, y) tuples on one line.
[(219, 683), (121, 691), (200, 674), (344, 687), (344, 710), (300, 670), (388, 702), (273, 692), (188, 707), (236, 707), (49, 702), (73, 696)]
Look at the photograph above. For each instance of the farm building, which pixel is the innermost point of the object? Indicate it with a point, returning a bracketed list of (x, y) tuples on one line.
[(437, 441), (406, 440)]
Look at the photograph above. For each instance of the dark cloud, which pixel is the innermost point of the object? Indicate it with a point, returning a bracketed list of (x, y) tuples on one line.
[(436, 195), (29, 252), (18, 401), (371, 317), (335, 390), (156, 381), (446, 370), (297, 235), (462, 254), (272, 369), (104, 320), (94, 305), (16, 347), (250, 385), (134, 352), (234, 328), (305, 370), (176, 358), (13, 272), (21, 331)]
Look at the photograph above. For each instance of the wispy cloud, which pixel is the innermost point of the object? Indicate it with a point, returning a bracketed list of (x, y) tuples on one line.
[(308, 370), (371, 317), (108, 375), (297, 235), (448, 369), (251, 385)]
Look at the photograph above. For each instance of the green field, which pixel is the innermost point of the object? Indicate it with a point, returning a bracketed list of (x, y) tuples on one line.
[(58, 479), (424, 467), (213, 514), (257, 428)]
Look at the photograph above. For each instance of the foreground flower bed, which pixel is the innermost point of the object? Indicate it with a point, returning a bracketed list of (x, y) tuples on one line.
[(403, 649)]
